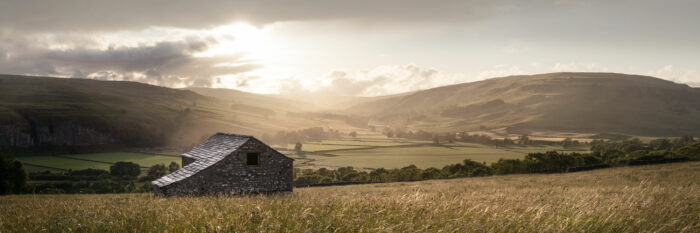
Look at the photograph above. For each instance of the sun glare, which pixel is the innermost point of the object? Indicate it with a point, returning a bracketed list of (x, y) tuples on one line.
[(237, 38), (256, 45)]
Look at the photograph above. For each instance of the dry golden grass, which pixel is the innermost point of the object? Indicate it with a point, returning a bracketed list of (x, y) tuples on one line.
[(659, 198)]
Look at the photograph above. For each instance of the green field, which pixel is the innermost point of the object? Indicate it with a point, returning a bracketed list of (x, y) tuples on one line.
[(656, 198), (319, 146), (366, 152), (375, 151), (95, 160)]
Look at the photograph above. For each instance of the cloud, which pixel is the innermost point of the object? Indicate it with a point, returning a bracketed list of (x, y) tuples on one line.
[(382, 80), (680, 75), (165, 63), (244, 82), (578, 67), (387, 80), (342, 84)]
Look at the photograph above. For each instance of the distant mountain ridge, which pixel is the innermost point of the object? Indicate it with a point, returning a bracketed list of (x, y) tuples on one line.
[(36, 111), (580, 102)]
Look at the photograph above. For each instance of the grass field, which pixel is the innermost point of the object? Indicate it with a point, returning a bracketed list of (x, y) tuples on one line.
[(95, 160), (376, 151), (658, 198), (368, 151)]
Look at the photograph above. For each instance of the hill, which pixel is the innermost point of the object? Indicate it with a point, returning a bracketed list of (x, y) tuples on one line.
[(564, 102), (237, 97), (42, 111), (657, 198)]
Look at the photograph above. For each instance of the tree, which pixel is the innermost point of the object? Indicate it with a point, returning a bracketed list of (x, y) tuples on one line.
[(297, 148), (13, 178), (691, 151), (524, 139), (683, 141), (567, 142), (660, 144), (509, 166), (436, 139), (389, 132), (125, 170), (431, 173), (353, 134), (507, 141), (450, 137), (173, 167), (466, 169), (157, 171), (410, 172), (378, 175)]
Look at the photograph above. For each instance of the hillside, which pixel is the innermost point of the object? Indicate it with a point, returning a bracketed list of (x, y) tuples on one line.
[(38, 111), (78, 112), (237, 97), (573, 102)]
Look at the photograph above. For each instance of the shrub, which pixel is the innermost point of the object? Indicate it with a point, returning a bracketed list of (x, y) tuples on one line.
[(13, 178), (125, 170)]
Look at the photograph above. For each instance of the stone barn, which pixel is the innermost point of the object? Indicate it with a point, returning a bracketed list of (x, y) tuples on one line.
[(228, 163)]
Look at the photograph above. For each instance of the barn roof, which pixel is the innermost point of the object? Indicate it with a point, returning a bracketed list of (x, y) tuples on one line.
[(206, 154)]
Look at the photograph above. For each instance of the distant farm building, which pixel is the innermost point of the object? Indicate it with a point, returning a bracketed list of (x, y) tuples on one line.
[(228, 163)]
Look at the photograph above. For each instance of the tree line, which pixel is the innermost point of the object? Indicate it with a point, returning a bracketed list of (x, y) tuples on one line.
[(604, 154), (451, 137), (122, 177)]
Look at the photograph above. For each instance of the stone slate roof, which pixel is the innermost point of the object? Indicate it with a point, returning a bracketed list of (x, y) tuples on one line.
[(206, 154)]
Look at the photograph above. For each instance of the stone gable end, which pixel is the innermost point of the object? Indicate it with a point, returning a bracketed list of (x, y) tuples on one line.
[(231, 174)]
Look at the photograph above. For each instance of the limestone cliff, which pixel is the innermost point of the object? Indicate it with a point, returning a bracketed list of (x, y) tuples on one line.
[(34, 132)]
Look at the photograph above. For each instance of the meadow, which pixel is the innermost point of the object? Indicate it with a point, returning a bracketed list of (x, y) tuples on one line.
[(93, 160), (371, 151), (655, 198)]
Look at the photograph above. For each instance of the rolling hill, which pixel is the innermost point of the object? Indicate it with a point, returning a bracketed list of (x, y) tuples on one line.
[(569, 102), (37, 111)]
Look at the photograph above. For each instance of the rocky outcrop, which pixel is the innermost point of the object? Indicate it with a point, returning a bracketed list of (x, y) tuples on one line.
[(35, 132), (15, 135)]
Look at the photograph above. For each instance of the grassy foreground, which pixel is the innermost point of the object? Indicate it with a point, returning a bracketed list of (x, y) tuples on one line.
[(658, 198)]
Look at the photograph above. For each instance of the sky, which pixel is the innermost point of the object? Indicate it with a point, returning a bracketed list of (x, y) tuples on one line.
[(349, 48)]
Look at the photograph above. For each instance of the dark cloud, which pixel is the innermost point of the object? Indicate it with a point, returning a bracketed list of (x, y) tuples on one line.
[(166, 63), (39, 15), (162, 55), (109, 15)]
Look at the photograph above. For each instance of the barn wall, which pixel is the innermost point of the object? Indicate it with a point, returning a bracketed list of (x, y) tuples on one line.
[(232, 175)]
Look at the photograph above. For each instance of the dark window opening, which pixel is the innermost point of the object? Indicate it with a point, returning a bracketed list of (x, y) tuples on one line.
[(252, 159)]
